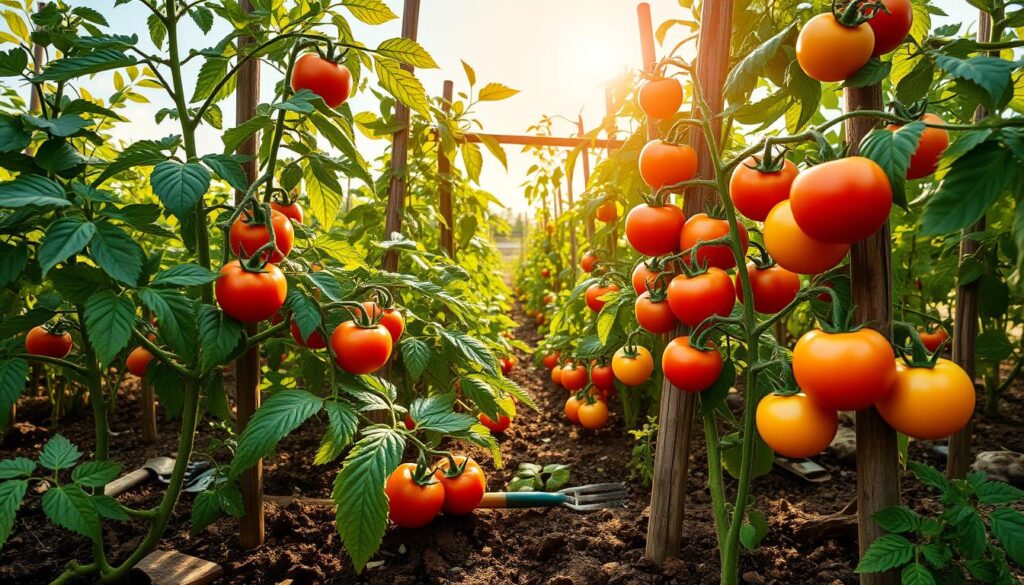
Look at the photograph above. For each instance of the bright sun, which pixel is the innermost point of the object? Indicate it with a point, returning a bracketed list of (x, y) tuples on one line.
[(596, 60)]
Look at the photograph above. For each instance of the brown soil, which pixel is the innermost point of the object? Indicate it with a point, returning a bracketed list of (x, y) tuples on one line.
[(554, 547)]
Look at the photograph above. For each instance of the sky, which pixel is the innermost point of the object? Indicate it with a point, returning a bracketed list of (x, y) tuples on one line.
[(557, 53)]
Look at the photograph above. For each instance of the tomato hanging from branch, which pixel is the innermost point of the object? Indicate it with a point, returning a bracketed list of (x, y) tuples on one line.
[(934, 141), (660, 98), (248, 235), (40, 341), (593, 415), (663, 164), (574, 376), (653, 230), (331, 81), (361, 349), (755, 192), (704, 228), (654, 315), (688, 368), (588, 262), (463, 489), (391, 319), (793, 249), (695, 298), (595, 292), (841, 201), (643, 274), (413, 501), (632, 365), (891, 26), (314, 341), (929, 403), (932, 340), (250, 296), (290, 210), (607, 212), (829, 50), (794, 425), (844, 371), (773, 287), (572, 408), (499, 426), (138, 360)]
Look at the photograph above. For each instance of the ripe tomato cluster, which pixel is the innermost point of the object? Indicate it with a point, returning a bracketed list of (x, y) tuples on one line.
[(590, 390), (833, 46), (417, 495)]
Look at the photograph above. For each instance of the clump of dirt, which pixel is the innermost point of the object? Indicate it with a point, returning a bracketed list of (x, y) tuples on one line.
[(499, 547)]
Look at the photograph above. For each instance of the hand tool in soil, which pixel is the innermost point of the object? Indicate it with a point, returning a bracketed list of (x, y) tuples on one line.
[(198, 476), (155, 467), (805, 469), (583, 498)]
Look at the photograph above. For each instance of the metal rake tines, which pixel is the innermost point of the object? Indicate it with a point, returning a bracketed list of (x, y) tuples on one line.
[(595, 496)]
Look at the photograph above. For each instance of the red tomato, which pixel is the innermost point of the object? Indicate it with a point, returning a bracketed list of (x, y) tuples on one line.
[(496, 427), (250, 297), (934, 142), (314, 341), (551, 360), (138, 360), (556, 375), (39, 341), (608, 212), (574, 376), (391, 319), (892, 27), (462, 491), (247, 236), (841, 201), (933, 339), (506, 365), (588, 262), (663, 163), (829, 51), (331, 81), (773, 287), (793, 249), (540, 318), (361, 350), (795, 426), (572, 407), (703, 228), (929, 403), (642, 275), (844, 371), (694, 299), (411, 505), (409, 423), (755, 193), (593, 415), (660, 98), (654, 230), (290, 210), (688, 368), (595, 292), (655, 317), (602, 377), (545, 273)]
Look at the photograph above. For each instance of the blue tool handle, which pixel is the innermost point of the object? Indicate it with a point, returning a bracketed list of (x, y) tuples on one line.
[(522, 500)]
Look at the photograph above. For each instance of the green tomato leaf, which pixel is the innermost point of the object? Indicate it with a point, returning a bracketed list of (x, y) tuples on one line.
[(362, 505), (71, 67), (415, 354), (180, 186), (219, 335), (892, 151), (436, 413), (370, 11), (117, 253), (108, 324), (888, 552), (12, 493), (96, 474), (974, 183), (184, 275), (16, 468), (281, 414), (69, 507), (342, 425), (34, 190), (13, 375), (1008, 526), (59, 453)]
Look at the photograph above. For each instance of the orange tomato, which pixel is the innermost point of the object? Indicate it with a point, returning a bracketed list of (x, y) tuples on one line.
[(929, 403), (795, 426), (793, 249), (663, 163), (828, 51), (593, 415), (633, 370), (660, 98)]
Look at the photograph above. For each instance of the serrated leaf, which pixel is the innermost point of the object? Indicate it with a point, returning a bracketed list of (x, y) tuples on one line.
[(997, 492), (470, 348), (362, 506), (34, 190), (59, 453), (13, 375), (415, 356), (970, 530), (16, 468), (107, 507), (108, 324), (916, 574), (874, 71), (305, 311), (888, 552), (744, 76), (229, 168), (281, 414), (407, 51), (12, 493), (117, 253), (342, 425), (436, 413), (974, 182), (180, 186), (234, 137), (205, 511), (69, 506), (479, 391), (1008, 526), (892, 151), (402, 84), (71, 67), (991, 74), (896, 519), (495, 92), (96, 473), (184, 275), (370, 11), (324, 192), (176, 318)]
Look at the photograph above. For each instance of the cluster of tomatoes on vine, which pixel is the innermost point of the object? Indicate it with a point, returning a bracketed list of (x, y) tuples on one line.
[(417, 493), (590, 387)]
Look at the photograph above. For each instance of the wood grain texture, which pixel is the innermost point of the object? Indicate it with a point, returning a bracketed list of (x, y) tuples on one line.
[(676, 420), (247, 367), (444, 170), (400, 147), (878, 472), (965, 315), (170, 567)]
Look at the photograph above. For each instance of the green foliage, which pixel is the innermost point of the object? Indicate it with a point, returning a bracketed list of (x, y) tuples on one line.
[(531, 477), (972, 537)]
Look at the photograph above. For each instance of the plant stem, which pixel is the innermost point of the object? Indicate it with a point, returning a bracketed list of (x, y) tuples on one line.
[(715, 485), (96, 397)]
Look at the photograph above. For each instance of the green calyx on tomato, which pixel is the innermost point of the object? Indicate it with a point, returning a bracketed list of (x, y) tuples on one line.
[(917, 354), (857, 12)]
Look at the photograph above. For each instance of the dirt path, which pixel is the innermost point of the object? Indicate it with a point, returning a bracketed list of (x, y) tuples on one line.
[(553, 547)]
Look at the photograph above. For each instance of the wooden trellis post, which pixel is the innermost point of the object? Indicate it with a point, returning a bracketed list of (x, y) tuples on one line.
[(573, 252), (444, 170), (247, 367), (878, 479), (400, 147), (965, 316), (672, 453), (585, 156), (147, 402)]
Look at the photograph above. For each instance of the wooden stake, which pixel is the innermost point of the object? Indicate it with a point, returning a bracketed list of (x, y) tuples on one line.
[(878, 473), (573, 259), (147, 402), (586, 175), (444, 170), (400, 147), (611, 131), (965, 316), (247, 367)]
